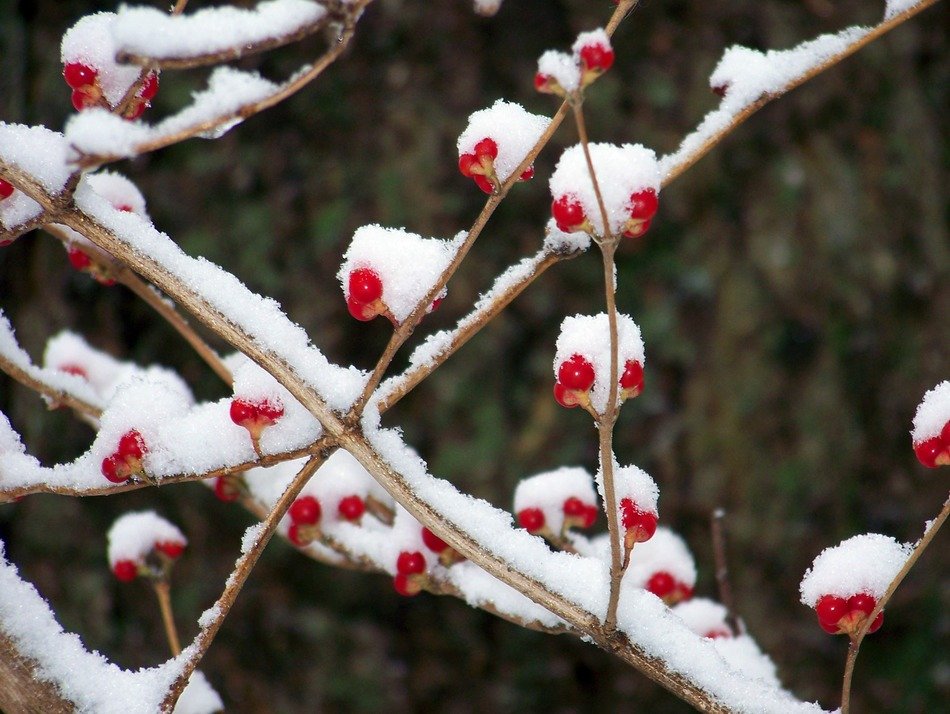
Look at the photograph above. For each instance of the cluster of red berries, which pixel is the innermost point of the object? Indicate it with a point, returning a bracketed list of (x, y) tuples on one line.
[(365, 296), (87, 91), (576, 377), (845, 616), (593, 59), (480, 166), (229, 488), (255, 416), (448, 556), (570, 217), (83, 262), (577, 514), (304, 514), (935, 451), (167, 552), (410, 576), (126, 461), (666, 587), (639, 525)]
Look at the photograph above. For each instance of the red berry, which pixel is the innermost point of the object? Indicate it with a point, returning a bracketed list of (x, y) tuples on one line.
[(484, 183), (718, 634), (361, 311), (149, 87), (406, 585), (878, 621), (173, 549), (929, 451), (78, 258), (226, 489), (79, 75), (643, 205), (256, 416), (830, 609), (432, 541), (125, 570), (945, 434), (352, 508), (6, 189), (661, 584), (590, 516), (270, 410), (576, 373), (632, 377), (597, 57), (567, 398), (466, 162), (83, 99), (642, 524), (410, 563), (527, 174), (74, 369), (574, 506), (132, 446), (300, 534), (305, 510), (830, 628), (486, 147), (135, 110), (114, 469), (635, 229), (365, 286), (531, 519), (862, 603), (542, 83), (568, 213)]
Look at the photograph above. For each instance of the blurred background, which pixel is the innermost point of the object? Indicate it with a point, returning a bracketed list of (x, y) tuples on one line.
[(792, 293)]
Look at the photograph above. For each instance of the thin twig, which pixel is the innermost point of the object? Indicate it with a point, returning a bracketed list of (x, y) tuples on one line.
[(925, 540), (717, 528), (163, 592), (56, 396), (578, 110)]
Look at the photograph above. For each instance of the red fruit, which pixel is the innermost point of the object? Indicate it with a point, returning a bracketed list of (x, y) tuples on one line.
[(125, 570), (862, 603), (132, 446), (929, 451), (305, 511), (74, 369), (135, 110), (407, 585), (576, 373), (78, 258), (149, 87), (486, 147), (79, 75), (542, 83), (830, 628), (527, 174), (83, 99), (173, 549), (661, 584), (352, 508), (484, 184), (300, 535), (226, 489), (635, 229), (365, 286), (632, 377), (114, 470), (567, 398), (878, 621), (6, 189), (830, 609), (466, 163), (531, 519), (597, 57), (945, 434), (643, 205), (256, 416), (590, 516), (361, 311), (574, 507), (641, 525), (432, 541), (568, 213), (410, 563), (718, 634)]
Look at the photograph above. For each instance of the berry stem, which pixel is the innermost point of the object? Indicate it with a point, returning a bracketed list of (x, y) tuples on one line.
[(163, 592), (578, 108), (717, 526), (925, 540)]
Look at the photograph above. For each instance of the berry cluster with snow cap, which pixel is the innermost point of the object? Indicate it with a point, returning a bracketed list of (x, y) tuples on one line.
[(88, 53), (629, 180), (550, 503), (705, 617), (387, 271), (565, 74), (931, 432), (637, 496), (664, 566), (496, 141), (582, 358), (135, 539), (845, 582)]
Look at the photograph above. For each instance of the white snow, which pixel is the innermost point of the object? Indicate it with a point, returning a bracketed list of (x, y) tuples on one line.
[(933, 413), (561, 67), (557, 241), (150, 32), (664, 552), (621, 171), (134, 535), (514, 130), (407, 264), (893, 8), (744, 655), (198, 697), (589, 337), (861, 564), (10, 442), (38, 151), (549, 490), (90, 42), (636, 484), (591, 38), (703, 616)]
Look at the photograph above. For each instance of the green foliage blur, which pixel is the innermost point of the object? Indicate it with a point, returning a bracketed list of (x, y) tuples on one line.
[(793, 296)]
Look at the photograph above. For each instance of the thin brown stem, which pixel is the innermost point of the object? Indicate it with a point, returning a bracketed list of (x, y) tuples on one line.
[(163, 591), (57, 397), (929, 533), (718, 532), (578, 110), (239, 576)]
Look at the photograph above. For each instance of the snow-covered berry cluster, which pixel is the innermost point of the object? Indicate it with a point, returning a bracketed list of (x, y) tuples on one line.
[(126, 461), (496, 141), (637, 495), (931, 432), (664, 566), (565, 74), (705, 617), (88, 53), (846, 581), (143, 543), (550, 503), (582, 360)]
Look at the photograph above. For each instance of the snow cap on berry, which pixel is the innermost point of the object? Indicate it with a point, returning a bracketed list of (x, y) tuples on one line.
[(703, 616), (407, 264), (592, 38), (513, 129), (134, 535), (119, 191), (933, 413), (621, 171), (90, 42), (861, 564), (549, 490), (636, 484), (557, 241), (664, 552), (589, 336), (562, 68)]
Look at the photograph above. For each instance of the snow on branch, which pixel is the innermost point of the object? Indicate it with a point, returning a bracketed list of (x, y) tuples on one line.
[(151, 38)]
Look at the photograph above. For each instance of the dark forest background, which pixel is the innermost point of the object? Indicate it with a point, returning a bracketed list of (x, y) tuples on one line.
[(793, 296)]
